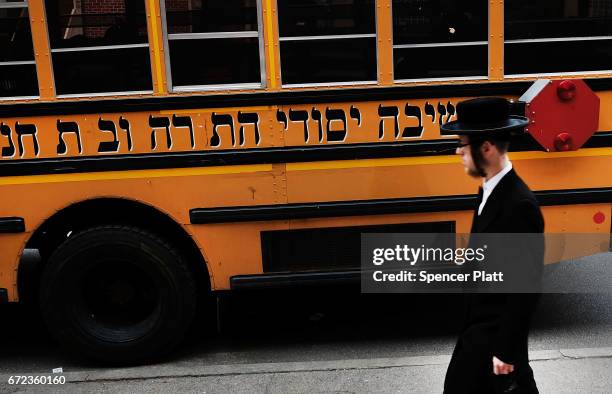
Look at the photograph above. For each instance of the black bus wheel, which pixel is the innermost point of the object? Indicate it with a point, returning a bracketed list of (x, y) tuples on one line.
[(117, 294)]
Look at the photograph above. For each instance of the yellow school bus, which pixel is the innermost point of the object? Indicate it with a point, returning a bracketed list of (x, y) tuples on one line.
[(152, 151)]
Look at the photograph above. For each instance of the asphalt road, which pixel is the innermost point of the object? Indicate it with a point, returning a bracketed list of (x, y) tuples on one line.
[(322, 324)]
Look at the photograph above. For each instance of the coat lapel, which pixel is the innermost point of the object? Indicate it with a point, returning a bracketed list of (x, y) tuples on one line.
[(494, 203)]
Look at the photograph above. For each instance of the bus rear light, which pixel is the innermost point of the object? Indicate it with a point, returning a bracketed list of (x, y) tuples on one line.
[(599, 217), (563, 142), (566, 90)]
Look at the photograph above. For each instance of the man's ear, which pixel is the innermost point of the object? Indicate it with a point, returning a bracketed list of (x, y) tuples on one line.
[(486, 147)]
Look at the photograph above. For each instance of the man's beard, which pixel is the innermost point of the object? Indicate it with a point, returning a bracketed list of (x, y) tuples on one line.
[(475, 172), (479, 162)]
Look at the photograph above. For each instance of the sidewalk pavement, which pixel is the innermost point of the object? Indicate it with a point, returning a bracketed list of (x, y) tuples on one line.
[(556, 371)]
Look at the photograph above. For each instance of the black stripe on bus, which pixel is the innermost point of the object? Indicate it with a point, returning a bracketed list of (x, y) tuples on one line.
[(377, 150), (380, 207), (12, 225), (299, 279), (211, 101), (331, 209), (227, 157)]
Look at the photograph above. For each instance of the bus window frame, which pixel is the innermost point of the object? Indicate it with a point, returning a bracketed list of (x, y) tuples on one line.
[(432, 45), (216, 35), (102, 47), (555, 39), (23, 4), (338, 36)]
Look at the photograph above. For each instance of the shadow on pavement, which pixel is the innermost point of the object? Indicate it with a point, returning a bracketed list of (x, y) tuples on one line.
[(306, 324)]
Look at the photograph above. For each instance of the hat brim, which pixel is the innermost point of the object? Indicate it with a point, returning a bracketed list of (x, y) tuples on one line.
[(511, 123)]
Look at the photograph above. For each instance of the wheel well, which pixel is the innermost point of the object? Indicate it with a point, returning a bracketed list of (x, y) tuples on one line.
[(96, 212)]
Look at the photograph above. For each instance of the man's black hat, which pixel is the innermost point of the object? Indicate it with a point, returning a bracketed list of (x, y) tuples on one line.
[(488, 116)]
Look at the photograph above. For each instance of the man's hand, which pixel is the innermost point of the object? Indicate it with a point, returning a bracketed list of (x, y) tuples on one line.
[(500, 367)]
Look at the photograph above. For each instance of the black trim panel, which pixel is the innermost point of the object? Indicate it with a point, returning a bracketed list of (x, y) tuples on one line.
[(3, 296), (381, 207), (283, 280), (12, 225), (261, 99), (331, 209), (227, 157), (574, 196), (338, 247), (169, 103)]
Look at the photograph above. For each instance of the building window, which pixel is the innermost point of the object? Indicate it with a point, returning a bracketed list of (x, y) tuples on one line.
[(575, 35), (17, 64), (440, 39), (99, 47), (327, 42), (214, 44)]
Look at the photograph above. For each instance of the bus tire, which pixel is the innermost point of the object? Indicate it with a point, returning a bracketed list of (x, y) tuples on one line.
[(117, 294)]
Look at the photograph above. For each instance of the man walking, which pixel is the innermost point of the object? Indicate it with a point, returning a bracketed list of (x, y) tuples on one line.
[(491, 353)]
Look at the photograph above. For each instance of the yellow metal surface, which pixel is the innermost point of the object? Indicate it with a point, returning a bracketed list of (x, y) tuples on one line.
[(271, 46), (133, 174), (42, 52), (174, 191), (156, 47), (496, 40), (384, 41)]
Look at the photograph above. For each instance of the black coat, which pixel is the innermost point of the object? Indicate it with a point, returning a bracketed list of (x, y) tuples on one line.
[(498, 324)]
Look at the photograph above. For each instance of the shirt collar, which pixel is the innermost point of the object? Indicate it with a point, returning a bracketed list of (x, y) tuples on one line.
[(491, 183)]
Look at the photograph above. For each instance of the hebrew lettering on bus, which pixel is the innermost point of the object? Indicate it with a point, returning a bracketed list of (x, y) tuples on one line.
[(157, 123), (225, 121), (430, 111), (325, 122), (335, 115), (443, 110), (108, 146), (124, 124), (301, 116), (248, 118), (317, 117), (26, 130), (247, 124), (184, 122), (281, 116), (108, 126), (355, 114), (67, 128), (163, 126), (413, 131), (293, 125), (5, 131), (388, 112), (332, 116)]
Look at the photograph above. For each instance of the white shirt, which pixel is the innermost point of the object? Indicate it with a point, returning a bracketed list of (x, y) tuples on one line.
[(488, 186)]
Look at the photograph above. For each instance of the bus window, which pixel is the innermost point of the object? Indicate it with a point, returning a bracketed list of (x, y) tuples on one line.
[(214, 44), (99, 46), (576, 36), (444, 39), (327, 42), (17, 65)]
